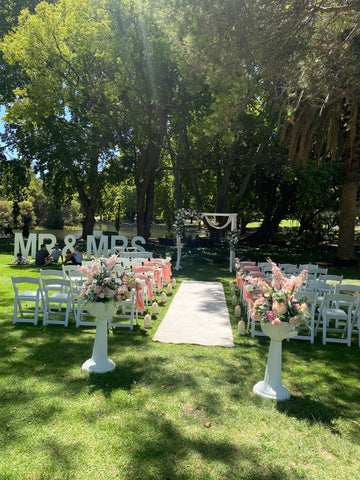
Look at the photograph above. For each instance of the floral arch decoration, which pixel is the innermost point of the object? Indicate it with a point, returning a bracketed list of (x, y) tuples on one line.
[(188, 213)]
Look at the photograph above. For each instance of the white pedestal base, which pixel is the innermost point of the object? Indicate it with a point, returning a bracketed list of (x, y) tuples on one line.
[(99, 362), (93, 366), (271, 387)]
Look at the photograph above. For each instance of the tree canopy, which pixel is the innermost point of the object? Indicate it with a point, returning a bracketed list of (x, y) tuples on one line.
[(203, 104)]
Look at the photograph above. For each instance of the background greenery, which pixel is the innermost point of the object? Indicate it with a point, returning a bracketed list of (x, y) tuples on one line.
[(142, 107)]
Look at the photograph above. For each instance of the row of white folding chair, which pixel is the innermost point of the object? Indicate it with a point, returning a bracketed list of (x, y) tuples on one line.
[(125, 311), (339, 315), (48, 297), (130, 262), (57, 298)]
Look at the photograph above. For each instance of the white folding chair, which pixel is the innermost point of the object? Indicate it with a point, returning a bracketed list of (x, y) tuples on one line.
[(57, 293), (27, 290), (305, 332), (337, 307), (82, 316), (288, 268), (351, 289), (333, 280), (53, 274), (124, 317)]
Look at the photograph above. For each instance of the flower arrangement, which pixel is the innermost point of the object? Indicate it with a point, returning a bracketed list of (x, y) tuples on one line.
[(232, 237), (276, 302), (103, 284), (180, 215)]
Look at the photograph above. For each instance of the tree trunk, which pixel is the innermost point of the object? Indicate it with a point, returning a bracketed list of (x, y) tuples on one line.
[(88, 223), (346, 249), (145, 186), (274, 215)]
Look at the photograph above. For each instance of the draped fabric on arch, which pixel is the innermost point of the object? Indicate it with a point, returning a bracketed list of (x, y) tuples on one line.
[(231, 220)]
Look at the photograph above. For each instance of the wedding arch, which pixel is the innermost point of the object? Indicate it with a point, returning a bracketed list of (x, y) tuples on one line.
[(186, 213)]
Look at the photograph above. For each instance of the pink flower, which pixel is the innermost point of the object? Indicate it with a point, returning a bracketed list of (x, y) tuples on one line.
[(279, 309), (276, 321), (111, 262), (270, 315), (304, 308), (294, 320)]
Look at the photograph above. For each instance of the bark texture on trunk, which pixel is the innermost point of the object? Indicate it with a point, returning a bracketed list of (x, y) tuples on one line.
[(346, 242), (351, 176)]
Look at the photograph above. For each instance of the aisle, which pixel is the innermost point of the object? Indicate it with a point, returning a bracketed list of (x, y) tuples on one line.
[(198, 315)]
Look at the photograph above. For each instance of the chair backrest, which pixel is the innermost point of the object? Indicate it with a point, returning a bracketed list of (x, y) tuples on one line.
[(126, 262), (310, 267), (149, 264), (312, 276), (284, 266), (136, 254), (51, 273), (322, 271), (339, 299), (320, 287), (347, 287), (56, 285), (138, 261), (24, 283), (333, 279), (257, 274), (76, 279), (142, 269)]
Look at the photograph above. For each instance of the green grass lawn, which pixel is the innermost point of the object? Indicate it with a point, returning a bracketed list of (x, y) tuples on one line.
[(146, 420)]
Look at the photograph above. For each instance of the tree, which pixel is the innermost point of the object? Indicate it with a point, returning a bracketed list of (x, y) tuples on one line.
[(325, 107), (108, 86), (5, 213), (305, 55)]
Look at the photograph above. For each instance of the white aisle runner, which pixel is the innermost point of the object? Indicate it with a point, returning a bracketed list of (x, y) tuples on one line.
[(198, 314)]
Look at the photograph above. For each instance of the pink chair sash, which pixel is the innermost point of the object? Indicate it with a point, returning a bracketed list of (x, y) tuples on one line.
[(257, 274), (239, 280), (157, 278), (139, 299), (140, 270), (165, 274), (148, 284)]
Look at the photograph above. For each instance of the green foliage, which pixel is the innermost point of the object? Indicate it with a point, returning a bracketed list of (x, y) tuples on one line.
[(26, 213), (5, 213)]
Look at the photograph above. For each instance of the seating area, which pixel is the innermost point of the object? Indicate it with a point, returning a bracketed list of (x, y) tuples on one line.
[(334, 308), (55, 296)]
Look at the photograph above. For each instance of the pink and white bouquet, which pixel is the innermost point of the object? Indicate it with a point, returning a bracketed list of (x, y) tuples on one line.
[(103, 283), (276, 301)]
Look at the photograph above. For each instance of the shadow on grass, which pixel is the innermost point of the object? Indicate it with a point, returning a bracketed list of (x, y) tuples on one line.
[(304, 408), (165, 451)]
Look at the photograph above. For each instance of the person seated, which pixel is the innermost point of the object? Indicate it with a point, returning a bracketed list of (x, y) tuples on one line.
[(75, 257), (56, 253), (42, 258), (20, 260)]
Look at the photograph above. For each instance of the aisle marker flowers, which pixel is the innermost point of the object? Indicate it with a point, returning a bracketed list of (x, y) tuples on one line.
[(103, 283), (276, 302)]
